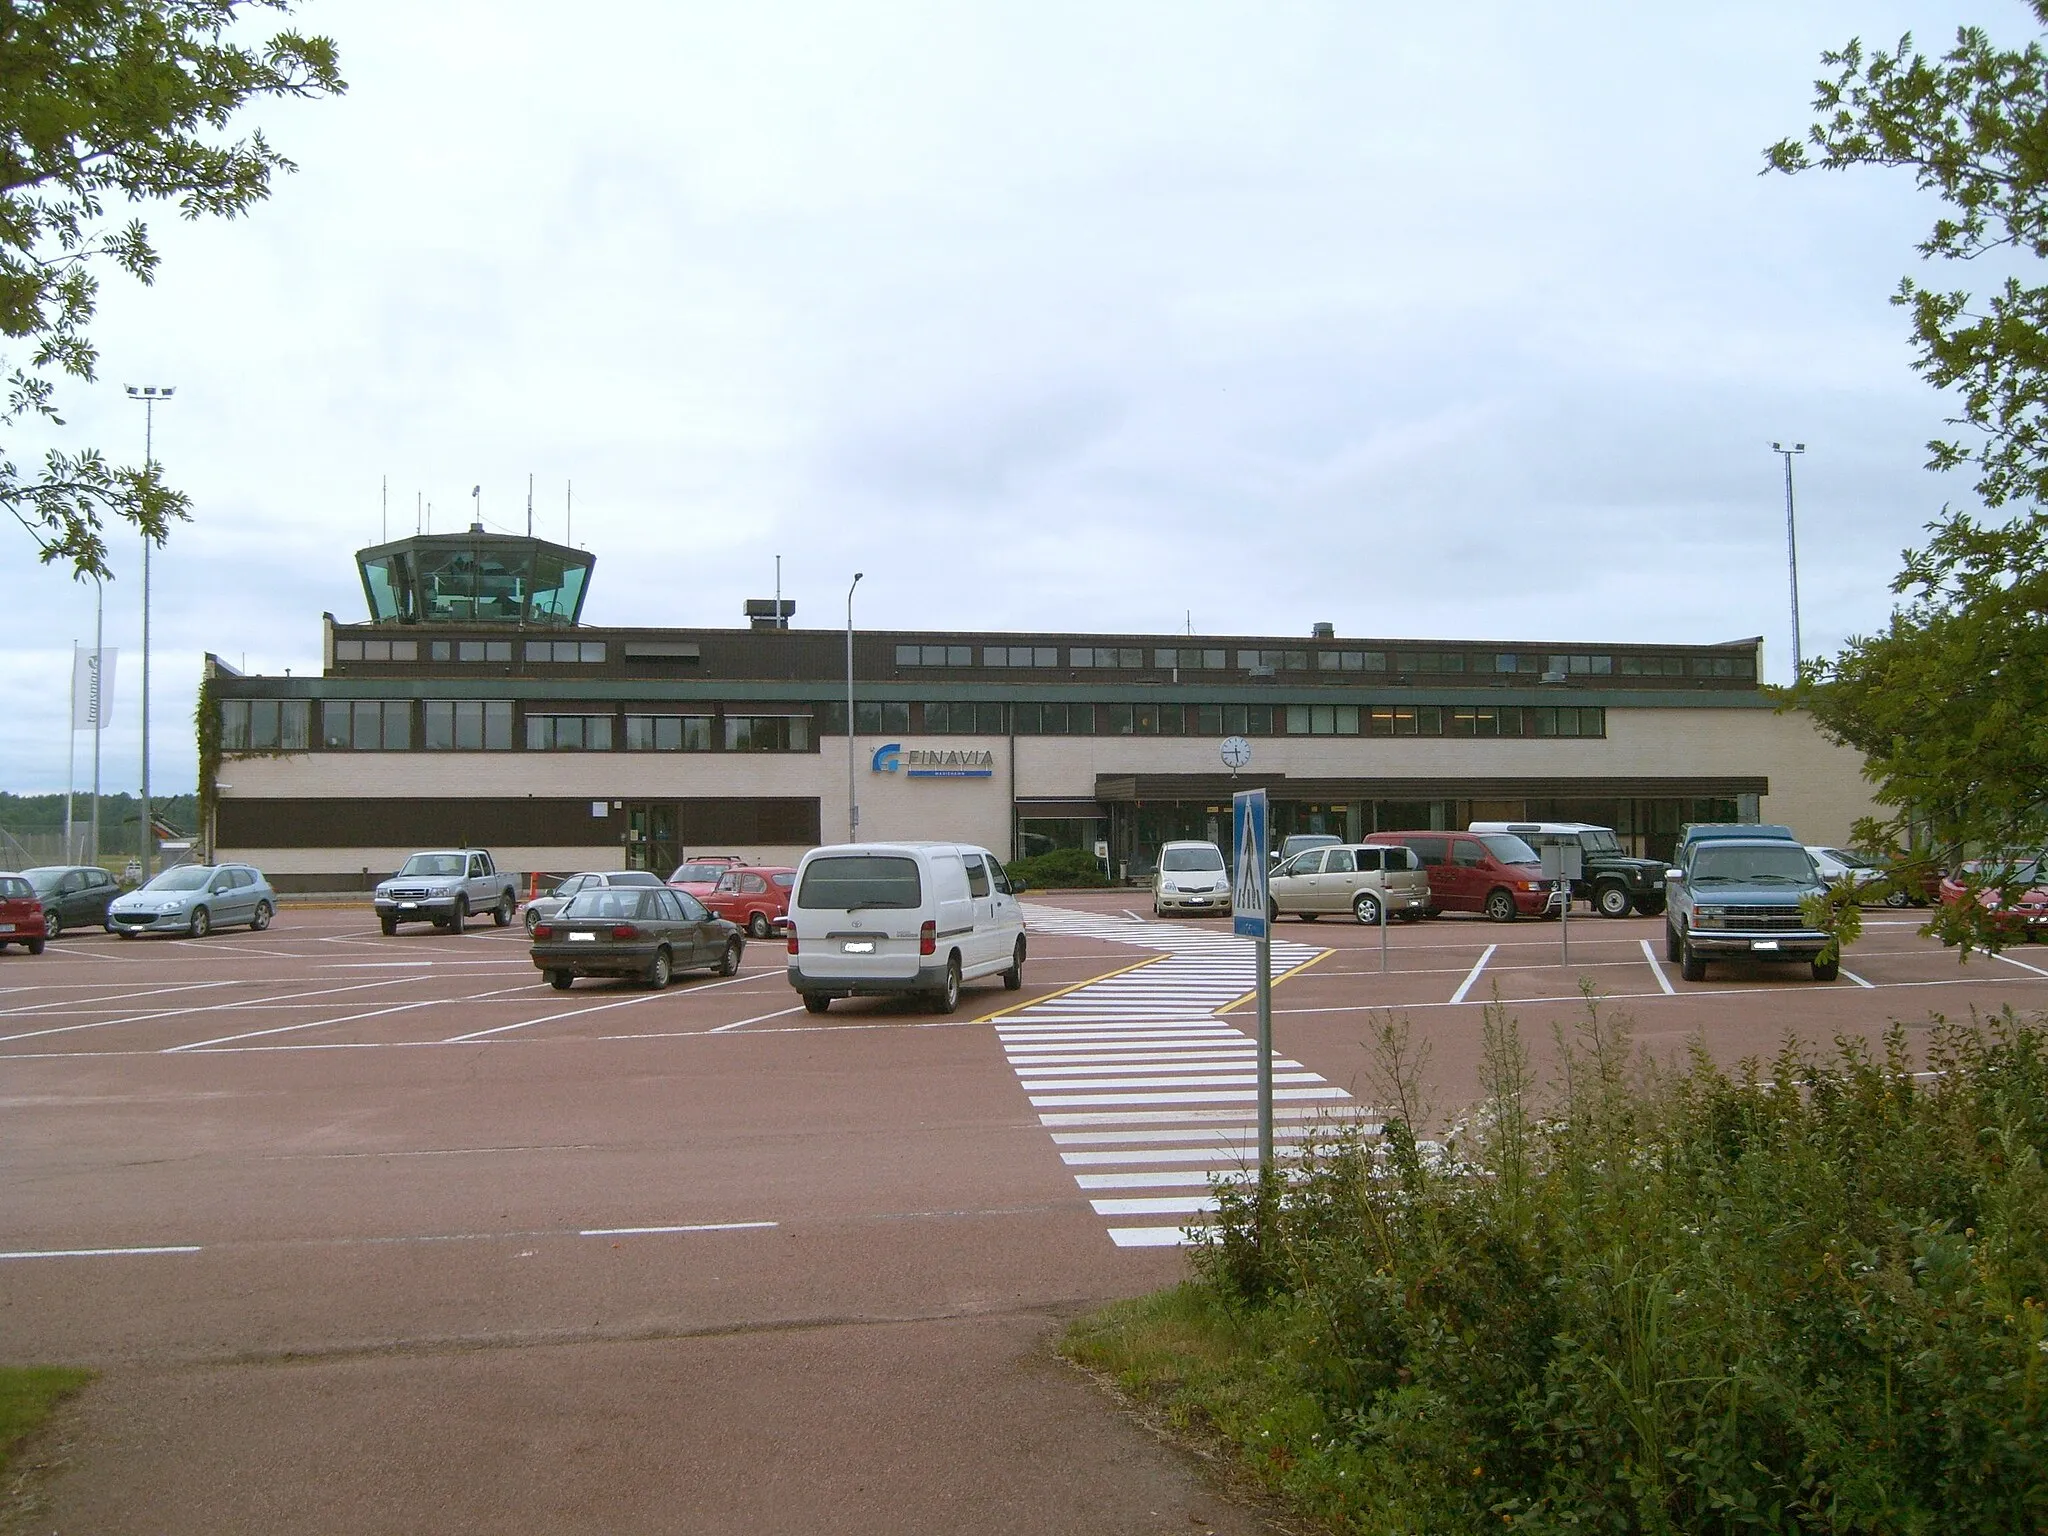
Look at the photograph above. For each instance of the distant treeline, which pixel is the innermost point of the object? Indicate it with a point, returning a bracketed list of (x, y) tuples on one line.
[(45, 813)]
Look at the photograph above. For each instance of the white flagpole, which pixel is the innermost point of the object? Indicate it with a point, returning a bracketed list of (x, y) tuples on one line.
[(71, 761)]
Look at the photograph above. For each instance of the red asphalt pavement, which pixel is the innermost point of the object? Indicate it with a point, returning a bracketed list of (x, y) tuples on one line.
[(375, 1234)]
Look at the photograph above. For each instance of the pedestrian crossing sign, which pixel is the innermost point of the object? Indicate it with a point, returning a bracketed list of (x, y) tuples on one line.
[(1248, 882)]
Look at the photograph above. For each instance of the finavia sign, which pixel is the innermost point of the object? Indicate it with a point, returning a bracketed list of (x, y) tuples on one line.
[(920, 764)]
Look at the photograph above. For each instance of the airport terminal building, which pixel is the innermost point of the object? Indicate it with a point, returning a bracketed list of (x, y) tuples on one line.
[(474, 707)]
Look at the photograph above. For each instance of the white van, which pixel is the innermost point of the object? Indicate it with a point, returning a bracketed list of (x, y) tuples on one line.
[(882, 919)]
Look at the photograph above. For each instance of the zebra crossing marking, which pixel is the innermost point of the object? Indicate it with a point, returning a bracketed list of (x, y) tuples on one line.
[(1144, 1086)]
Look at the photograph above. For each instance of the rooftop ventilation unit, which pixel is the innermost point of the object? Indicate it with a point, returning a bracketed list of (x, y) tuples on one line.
[(1323, 631), (770, 612)]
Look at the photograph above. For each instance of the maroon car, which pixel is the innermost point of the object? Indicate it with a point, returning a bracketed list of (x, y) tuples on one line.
[(21, 914), (699, 876), (2021, 912)]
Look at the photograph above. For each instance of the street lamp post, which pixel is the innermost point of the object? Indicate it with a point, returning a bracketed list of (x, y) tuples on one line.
[(149, 395), (852, 805), (1791, 551)]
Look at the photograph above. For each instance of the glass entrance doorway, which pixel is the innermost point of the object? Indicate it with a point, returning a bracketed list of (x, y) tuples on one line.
[(651, 836)]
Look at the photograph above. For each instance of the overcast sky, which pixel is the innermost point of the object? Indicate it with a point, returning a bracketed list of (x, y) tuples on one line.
[(1472, 320)]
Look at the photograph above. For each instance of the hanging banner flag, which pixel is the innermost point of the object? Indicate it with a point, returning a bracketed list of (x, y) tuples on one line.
[(92, 688)]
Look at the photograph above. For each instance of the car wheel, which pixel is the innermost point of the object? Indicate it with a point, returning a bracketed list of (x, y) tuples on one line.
[(53, 925), (561, 981), (1612, 901), (1272, 910), (1896, 899), (389, 925), (659, 969), (1309, 917), (501, 914), (757, 925), (1650, 906), (1366, 908), (1500, 906), (1690, 965), (202, 923), (260, 918), (729, 962), (532, 920), (1013, 978), (817, 1002), (33, 946), (1670, 942), (1827, 970), (947, 997), (460, 916)]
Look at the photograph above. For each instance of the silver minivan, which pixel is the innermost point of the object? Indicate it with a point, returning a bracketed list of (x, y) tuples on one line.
[(888, 919), (1356, 878)]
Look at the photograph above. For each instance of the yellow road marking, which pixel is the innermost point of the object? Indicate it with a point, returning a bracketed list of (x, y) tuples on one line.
[(1077, 986), (1252, 996)]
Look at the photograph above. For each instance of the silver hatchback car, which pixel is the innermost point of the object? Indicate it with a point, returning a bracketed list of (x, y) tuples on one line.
[(195, 899)]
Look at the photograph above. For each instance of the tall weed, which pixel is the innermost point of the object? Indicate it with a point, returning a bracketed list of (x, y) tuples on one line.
[(1804, 1296)]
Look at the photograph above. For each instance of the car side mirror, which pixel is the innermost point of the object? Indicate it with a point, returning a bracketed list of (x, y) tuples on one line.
[(1674, 874)]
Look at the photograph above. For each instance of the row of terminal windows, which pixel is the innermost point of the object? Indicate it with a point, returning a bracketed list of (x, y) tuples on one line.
[(1439, 663), (470, 650), (486, 725)]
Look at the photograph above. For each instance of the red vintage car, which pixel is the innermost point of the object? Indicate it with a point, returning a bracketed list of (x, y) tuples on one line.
[(21, 914), (752, 896), (2022, 912)]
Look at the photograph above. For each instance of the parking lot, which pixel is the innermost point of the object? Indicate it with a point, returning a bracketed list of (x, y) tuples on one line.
[(264, 1177)]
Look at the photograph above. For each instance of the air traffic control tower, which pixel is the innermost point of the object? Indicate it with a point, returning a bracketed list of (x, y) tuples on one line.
[(475, 577)]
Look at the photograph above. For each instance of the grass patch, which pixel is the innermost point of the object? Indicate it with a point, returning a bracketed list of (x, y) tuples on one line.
[(27, 1394), (1807, 1296)]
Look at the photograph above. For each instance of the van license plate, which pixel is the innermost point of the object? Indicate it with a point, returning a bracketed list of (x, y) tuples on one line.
[(1764, 944), (6, 927), (585, 938), (860, 947)]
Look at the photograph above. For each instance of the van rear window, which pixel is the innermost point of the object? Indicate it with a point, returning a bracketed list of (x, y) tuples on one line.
[(848, 882)]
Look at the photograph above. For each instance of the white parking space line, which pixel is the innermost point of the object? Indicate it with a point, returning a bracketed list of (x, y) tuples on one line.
[(550, 1018), (155, 1015), (1852, 976), (347, 1018), (2008, 959), (96, 1253), (780, 1013), (118, 997), (1472, 976), (1657, 970), (702, 1226)]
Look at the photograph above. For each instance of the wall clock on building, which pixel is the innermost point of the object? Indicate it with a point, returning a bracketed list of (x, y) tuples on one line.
[(1237, 752)]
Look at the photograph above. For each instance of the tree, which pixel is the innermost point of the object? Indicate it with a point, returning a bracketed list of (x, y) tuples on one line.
[(1949, 704), (123, 101)]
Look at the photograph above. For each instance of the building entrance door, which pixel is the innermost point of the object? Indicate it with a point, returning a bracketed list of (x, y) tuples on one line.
[(651, 840)]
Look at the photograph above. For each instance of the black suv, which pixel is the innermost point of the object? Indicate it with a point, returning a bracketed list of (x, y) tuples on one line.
[(1615, 883)]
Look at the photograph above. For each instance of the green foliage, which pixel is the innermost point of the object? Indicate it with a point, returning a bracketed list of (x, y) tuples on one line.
[(27, 1394), (1807, 1297), (1949, 704), (122, 100), (45, 813), (1063, 869)]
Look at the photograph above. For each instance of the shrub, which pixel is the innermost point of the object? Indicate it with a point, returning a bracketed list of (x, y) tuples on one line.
[(1062, 869), (1801, 1297)]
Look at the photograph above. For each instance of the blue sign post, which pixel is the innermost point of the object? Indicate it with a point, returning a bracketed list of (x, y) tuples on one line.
[(1250, 917)]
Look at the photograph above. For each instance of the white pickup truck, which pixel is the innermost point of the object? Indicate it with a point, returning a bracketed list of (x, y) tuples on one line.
[(444, 888)]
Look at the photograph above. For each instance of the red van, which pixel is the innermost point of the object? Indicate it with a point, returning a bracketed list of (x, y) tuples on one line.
[(1491, 872)]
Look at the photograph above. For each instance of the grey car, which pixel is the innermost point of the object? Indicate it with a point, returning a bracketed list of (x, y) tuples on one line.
[(543, 907), (73, 895), (195, 899)]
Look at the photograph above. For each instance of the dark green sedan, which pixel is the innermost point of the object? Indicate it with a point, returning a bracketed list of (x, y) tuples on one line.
[(635, 932)]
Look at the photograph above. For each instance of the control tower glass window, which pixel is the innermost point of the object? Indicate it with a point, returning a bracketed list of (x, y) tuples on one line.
[(389, 580), (557, 590)]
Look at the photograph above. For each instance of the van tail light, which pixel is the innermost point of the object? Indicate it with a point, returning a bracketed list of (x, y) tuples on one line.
[(543, 930), (625, 931), (791, 930), (928, 939)]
